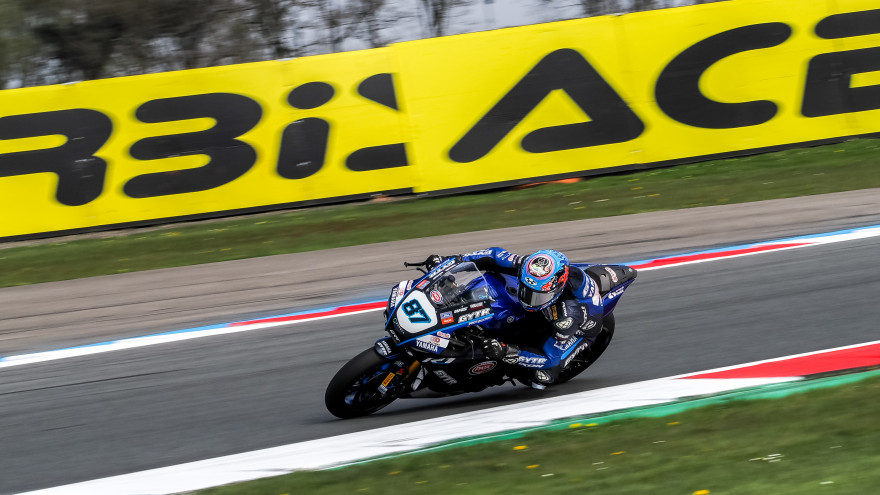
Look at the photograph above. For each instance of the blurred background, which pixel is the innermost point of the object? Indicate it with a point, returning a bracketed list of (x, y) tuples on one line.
[(61, 41)]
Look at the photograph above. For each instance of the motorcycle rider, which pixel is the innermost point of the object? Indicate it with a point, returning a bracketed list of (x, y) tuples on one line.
[(561, 300)]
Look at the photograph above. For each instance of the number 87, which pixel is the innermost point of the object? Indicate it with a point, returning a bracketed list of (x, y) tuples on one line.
[(415, 313)]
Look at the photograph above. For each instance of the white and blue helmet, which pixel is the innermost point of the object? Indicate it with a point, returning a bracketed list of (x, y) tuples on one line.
[(542, 278)]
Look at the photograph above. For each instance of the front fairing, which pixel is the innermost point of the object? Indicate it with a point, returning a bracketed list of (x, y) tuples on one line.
[(447, 299)]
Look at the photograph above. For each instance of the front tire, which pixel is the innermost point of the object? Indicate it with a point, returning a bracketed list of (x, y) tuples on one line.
[(588, 357), (354, 390)]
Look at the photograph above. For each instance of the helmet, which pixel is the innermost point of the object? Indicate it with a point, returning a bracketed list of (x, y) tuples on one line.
[(542, 278)]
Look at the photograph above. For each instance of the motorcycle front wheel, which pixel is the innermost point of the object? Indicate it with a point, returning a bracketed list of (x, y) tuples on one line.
[(354, 390)]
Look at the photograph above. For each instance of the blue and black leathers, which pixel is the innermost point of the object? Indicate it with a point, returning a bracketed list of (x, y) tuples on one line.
[(547, 338)]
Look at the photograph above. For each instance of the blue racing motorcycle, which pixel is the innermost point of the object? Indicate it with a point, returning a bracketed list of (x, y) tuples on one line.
[(436, 325)]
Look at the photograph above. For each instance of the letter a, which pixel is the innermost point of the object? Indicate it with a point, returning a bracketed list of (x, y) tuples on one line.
[(612, 121)]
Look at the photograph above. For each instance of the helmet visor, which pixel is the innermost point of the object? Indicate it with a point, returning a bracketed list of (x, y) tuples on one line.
[(534, 299)]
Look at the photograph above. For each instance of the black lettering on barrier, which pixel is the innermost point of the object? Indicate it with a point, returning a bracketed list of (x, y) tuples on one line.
[(80, 173), (303, 148), (678, 87), (229, 158), (829, 76), (849, 25), (828, 89), (377, 158), (310, 95), (380, 89), (612, 121), (304, 142)]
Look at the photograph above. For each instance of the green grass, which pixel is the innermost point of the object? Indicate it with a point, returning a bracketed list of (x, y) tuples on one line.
[(799, 172), (824, 441)]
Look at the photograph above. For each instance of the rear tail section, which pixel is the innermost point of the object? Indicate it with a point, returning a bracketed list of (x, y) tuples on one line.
[(612, 281)]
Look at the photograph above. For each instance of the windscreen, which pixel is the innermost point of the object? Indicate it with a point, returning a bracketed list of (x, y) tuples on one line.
[(462, 284)]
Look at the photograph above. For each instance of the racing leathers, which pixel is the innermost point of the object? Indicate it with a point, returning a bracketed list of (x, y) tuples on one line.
[(546, 339)]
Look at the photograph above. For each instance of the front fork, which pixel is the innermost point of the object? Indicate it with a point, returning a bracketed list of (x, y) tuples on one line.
[(399, 375)]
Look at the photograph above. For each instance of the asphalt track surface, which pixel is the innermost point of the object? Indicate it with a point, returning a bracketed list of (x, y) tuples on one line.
[(108, 414)]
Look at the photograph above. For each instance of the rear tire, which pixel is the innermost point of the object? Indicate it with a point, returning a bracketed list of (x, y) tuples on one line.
[(354, 390), (586, 358)]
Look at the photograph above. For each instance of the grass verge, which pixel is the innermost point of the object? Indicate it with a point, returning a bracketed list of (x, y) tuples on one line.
[(818, 442), (818, 170)]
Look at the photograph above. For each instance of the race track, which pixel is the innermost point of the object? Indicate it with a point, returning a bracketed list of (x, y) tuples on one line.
[(90, 417)]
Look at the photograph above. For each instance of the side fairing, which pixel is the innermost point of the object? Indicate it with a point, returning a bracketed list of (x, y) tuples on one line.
[(505, 304)]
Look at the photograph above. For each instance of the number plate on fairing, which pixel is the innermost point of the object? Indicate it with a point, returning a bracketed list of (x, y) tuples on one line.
[(416, 314)]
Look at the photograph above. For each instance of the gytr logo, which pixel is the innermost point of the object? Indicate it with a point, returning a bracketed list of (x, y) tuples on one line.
[(475, 315)]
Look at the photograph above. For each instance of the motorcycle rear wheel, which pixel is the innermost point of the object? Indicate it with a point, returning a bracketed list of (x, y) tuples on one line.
[(354, 390), (582, 362)]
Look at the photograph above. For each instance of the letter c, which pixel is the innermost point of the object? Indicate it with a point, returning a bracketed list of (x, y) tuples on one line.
[(678, 87)]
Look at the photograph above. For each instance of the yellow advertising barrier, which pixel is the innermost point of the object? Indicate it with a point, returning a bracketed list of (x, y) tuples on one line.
[(460, 112), (182, 144), (647, 88)]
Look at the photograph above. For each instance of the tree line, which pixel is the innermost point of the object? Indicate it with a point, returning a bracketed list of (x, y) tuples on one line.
[(59, 41)]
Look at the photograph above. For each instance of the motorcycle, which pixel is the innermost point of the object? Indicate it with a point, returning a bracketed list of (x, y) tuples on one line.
[(436, 325)]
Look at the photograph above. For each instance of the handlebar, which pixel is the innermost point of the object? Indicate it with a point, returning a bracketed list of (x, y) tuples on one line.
[(419, 265)]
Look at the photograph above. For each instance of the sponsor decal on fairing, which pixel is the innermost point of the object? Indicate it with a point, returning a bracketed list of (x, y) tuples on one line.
[(615, 293), (481, 368), (439, 360), (383, 348), (398, 291), (473, 316), (612, 273), (427, 346), (532, 362), (433, 340), (445, 377)]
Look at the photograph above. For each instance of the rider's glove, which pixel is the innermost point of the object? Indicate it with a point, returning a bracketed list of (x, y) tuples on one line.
[(499, 351), (432, 261)]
